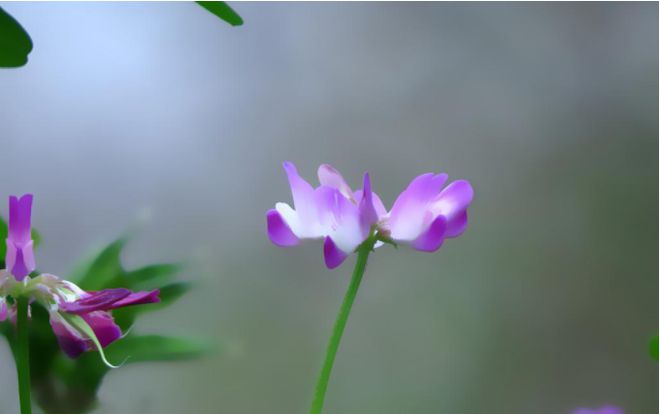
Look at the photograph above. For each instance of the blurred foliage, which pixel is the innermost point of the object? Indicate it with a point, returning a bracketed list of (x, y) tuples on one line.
[(223, 11), (69, 386), (15, 43), (653, 347)]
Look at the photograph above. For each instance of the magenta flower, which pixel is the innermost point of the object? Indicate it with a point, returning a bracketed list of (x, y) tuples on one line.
[(608, 409), (81, 321), (423, 215)]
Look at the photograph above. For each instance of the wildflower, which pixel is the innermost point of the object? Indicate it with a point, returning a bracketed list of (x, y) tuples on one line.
[(348, 221), (80, 320), (423, 215)]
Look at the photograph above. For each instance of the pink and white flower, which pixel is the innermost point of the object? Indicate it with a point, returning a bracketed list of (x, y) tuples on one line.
[(424, 214)]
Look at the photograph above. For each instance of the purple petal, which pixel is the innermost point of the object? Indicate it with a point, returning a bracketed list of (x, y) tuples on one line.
[(138, 298), (457, 225), (410, 216), (453, 200), (94, 301), (278, 230), (303, 195), (333, 256), (381, 211), (20, 210), (19, 258), (343, 222), (68, 338), (104, 327), (368, 215), (330, 177), (432, 238)]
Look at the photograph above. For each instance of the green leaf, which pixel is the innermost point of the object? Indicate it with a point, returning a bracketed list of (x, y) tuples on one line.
[(223, 11), (171, 293), (3, 235), (15, 43), (653, 347), (153, 276), (105, 269), (155, 348)]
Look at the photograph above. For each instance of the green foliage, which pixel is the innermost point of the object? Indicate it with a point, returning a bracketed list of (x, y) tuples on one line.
[(653, 347), (154, 348), (63, 385), (223, 11), (15, 43)]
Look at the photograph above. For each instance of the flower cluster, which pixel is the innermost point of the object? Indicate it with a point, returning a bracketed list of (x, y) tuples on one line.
[(81, 320), (423, 216)]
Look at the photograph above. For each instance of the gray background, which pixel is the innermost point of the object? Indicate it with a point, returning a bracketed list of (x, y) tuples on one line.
[(161, 119)]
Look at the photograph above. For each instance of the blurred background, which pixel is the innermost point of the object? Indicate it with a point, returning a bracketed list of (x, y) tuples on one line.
[(161, 120)]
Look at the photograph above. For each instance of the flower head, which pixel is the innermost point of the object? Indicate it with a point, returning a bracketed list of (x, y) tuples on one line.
[(424, 215), (82, 321)]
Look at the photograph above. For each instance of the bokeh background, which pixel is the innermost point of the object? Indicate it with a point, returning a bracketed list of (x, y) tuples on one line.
[(161, 120)]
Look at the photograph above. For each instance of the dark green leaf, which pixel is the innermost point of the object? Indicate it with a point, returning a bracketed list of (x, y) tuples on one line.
[(154, 348), (15, 43), (152, 277), (170, 293), (223, 11), (105, 270)]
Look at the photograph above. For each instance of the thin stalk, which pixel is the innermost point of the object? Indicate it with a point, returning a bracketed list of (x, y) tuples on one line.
[(340, 324), (23, 355)]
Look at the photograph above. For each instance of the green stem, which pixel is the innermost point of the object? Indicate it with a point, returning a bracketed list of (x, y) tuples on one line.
[(340, 324), (23, 355)]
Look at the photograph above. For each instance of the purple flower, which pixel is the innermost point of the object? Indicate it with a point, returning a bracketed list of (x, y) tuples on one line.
[(608, 409), (423, 215), (81, 320)]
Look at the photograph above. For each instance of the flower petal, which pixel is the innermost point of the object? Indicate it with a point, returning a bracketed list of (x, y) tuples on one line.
[(138, 298), (381, 211), (453, 200), (20, 211), (279, 231), (367, 211), (343, 222), (457, 225), (330, 177), (410, 214), (93, 301), (69, 339), (108, 299), (303, 196), (19, 258), (104, 327), (432, 238), (332, 255)]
